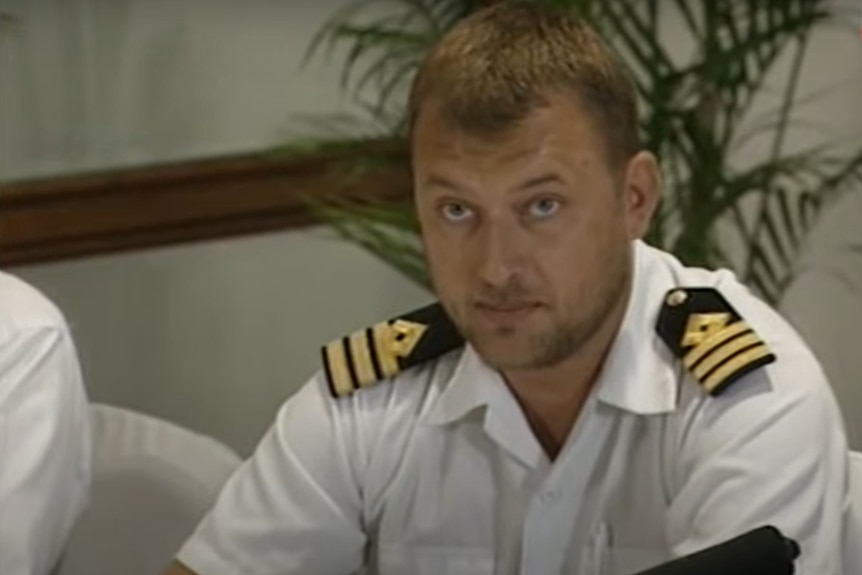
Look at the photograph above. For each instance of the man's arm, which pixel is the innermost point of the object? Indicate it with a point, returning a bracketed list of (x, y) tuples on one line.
[(771, 450), (295, 506), (44, 448)]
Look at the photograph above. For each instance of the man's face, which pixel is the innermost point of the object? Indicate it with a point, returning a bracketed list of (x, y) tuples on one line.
[(528, 235)]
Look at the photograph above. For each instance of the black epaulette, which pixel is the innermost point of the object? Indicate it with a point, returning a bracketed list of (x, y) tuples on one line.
[(383, 350), (711, 339)]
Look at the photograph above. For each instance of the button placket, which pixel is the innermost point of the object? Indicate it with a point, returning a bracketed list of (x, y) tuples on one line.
[(549, 495)]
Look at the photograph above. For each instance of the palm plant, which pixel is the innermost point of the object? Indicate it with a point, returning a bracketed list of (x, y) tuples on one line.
[(697, 115)]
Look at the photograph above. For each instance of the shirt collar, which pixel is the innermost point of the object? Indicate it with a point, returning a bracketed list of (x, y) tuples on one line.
[(475, 389), (473, 384), (638, 375)]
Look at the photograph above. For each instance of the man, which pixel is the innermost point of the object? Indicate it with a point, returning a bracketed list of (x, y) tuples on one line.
[(44, 432), (608, 409)]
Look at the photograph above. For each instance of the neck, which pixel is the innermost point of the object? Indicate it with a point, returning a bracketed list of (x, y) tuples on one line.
[(552, 397)]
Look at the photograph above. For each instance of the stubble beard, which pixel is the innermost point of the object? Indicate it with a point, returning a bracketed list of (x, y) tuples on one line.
[(504, 349)]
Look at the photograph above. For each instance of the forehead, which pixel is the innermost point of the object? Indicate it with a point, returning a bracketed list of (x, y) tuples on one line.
[(560, 130)]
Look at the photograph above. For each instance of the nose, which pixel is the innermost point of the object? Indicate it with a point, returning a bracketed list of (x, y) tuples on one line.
[(499, 256)]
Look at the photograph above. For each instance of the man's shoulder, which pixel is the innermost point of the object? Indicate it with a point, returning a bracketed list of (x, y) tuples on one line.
[(772, 325), (393, 408), (411, 346), (757, 312), (25, 308), (721, 332), (796, 368)]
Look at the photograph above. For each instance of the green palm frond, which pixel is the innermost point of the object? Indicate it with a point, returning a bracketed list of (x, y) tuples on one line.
[(788, 215), (697, 113), (391, 234), (384, 52)]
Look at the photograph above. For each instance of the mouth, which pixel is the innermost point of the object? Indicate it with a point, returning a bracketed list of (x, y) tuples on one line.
[(506, 313)]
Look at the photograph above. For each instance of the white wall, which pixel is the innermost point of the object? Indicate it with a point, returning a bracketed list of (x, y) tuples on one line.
[(825, 302), (212, 335), (215, 335), (94, 83)]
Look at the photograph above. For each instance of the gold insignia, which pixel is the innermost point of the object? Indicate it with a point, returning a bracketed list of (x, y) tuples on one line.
[(383, 350), (701, 326), (394, 341), (714, 343)]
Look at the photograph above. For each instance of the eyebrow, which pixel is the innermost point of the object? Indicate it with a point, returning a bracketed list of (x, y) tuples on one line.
[(441, 182), (549, 178), (434, 181)]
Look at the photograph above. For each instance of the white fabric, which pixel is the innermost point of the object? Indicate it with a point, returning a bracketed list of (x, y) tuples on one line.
[(152, 483), (853, 527), (438, 471), (44, 431)]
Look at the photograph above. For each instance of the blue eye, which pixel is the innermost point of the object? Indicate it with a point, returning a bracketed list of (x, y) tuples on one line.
[(456, 212), (544, 208)]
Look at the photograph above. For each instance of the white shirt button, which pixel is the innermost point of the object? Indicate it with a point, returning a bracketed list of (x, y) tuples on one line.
[(549, 495)]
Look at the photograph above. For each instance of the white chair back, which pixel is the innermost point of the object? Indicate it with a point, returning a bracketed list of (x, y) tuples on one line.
[(152, 483)]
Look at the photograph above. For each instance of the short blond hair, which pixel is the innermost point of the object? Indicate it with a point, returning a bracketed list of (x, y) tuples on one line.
[(494, 67)]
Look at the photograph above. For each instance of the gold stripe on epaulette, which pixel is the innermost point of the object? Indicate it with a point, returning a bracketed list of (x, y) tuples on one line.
[(735, 365), (383, 350), (710, 338), (712, 341), (360, 357), (723, 352), (336, 361)]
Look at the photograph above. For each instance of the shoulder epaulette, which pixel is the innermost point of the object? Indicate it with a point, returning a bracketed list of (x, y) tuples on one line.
[(385, 349), (711, 339)]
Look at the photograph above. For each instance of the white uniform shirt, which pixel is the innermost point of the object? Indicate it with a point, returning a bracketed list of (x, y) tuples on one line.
[(44, 432), (438, 471)]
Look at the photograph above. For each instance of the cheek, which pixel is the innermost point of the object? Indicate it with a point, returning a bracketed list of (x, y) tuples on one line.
[(455, 270), (571, 256), (448, 261)]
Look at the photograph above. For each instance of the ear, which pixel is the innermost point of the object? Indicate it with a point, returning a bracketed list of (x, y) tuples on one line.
[(642, 192)]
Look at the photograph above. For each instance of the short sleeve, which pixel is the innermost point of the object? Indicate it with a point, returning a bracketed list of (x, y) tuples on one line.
[(295, 505), (771, 450), (44, 448)]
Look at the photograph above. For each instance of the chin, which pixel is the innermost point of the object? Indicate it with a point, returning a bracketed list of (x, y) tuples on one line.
[(504, 352)]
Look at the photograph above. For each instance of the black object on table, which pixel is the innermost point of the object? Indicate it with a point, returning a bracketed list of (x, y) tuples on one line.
[(762, 551)]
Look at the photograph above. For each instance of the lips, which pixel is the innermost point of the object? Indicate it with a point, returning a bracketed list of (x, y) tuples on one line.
[(506, 313), (507, 307)]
